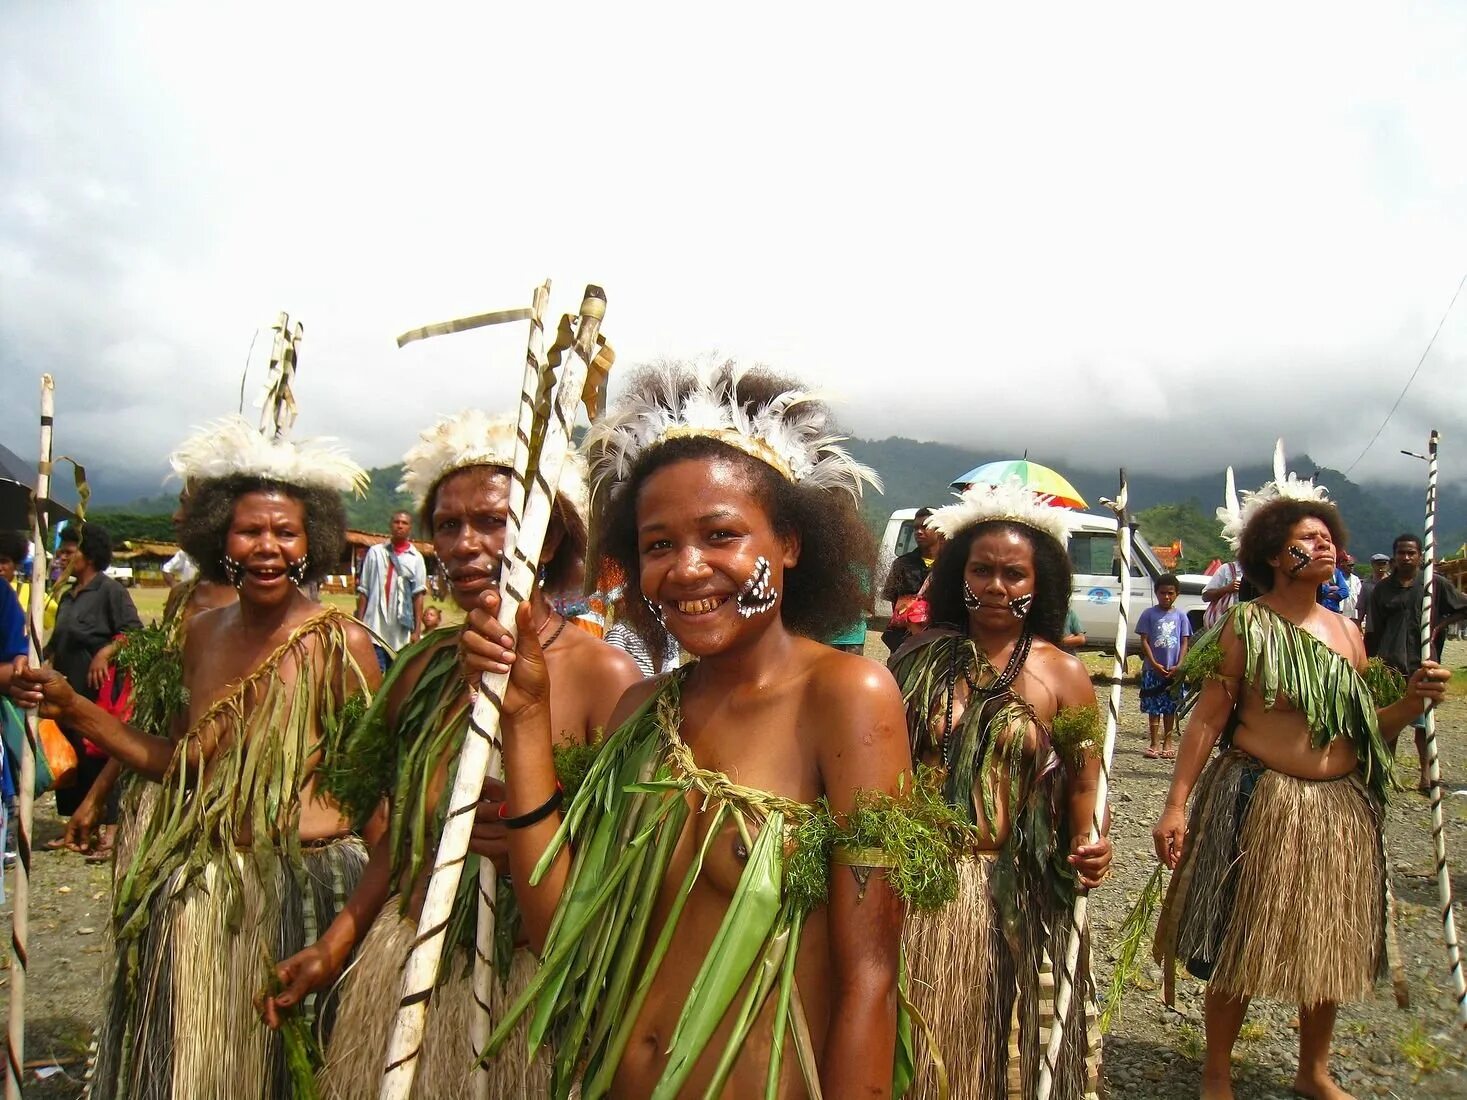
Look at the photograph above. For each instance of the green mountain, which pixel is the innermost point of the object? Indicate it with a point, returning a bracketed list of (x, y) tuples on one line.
[(1163, 524)]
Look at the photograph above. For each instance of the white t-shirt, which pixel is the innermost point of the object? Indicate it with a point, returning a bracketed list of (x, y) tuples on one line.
[(1226, 574), (389, 614)]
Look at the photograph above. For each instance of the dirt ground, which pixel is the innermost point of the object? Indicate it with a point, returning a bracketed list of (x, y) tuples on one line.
[(1152, 1052)]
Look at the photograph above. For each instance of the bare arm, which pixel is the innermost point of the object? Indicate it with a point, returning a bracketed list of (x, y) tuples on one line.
[(132, 748), (1090, 861), (864, 748)]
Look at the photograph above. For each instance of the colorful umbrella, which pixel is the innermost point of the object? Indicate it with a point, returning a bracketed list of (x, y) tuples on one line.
[(1040, 479)]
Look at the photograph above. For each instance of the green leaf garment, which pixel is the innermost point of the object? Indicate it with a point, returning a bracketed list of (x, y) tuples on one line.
[(198, 917), (603, 953), (1283, 661)]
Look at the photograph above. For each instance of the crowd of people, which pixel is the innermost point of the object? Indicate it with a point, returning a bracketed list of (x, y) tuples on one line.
[(733, 857)]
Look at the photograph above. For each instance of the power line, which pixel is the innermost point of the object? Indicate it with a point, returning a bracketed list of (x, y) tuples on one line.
[(1414, 373)]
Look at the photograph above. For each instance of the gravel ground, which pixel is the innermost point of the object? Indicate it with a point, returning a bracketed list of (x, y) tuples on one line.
[(1151, 1053)]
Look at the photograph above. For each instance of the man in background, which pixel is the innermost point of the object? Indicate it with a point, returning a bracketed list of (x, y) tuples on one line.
[(908, 572), (390, 591), (1380, 569)]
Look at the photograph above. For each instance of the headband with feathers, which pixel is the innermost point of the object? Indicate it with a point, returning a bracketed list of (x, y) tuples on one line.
[(1284, 486), (232, 446), (475, 438), (1011, 502), (791, 432)]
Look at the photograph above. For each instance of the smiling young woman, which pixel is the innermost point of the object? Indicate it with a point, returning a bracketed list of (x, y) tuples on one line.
[(716, 894)]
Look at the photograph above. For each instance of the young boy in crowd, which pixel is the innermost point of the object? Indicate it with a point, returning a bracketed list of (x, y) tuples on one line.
[(1165, 634)]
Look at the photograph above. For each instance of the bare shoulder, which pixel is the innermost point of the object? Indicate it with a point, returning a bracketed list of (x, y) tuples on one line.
[(1065, 674), (205, 628), (853, 698), (633, 698), (604, 664)]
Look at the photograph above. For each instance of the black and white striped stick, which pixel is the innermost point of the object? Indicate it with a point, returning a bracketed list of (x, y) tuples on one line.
[(20, 922), (1433, 760), (516, 583), (1064, 991)]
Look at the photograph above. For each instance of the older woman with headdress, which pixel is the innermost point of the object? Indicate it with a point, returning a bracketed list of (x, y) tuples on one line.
[(243, 854), (458, 474), (1010, 718), (714, 911)]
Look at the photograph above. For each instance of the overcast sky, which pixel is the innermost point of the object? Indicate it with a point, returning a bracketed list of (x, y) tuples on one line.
[(1159, 235)]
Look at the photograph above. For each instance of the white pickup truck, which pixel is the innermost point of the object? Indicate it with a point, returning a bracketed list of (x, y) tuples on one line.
[(1095, 563)]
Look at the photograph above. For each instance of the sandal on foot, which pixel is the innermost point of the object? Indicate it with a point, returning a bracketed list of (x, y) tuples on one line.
[(1151, 753)]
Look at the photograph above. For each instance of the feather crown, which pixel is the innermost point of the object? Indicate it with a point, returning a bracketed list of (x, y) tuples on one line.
[(1284, 486), (476, 438), (791, 431), (1011, 502), (232, 446)]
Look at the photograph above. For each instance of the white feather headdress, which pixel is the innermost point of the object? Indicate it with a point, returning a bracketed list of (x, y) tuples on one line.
[(232, 445), (475, 438), (1230, 515), (1284, 486), (1011, 501), (792, 432)]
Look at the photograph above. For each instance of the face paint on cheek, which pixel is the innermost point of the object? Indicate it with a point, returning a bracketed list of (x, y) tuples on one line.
[(297, 570), (1020, 605), (758, 594), (1301, 560)]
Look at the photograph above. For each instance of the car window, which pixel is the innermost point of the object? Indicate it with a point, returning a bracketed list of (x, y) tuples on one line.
[(906, 539), (1094, 554)]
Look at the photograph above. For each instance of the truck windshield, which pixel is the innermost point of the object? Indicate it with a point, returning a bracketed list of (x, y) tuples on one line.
[(1095, 554)]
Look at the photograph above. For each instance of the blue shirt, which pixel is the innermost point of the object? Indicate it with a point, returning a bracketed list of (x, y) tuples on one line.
[(12, 625), (1335, 590), (1165, 630)]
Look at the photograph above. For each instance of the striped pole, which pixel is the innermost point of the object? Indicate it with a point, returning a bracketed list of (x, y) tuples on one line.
[(1433, 759), (482, 1023), (1066, 987), (20, 924), (421, 971)]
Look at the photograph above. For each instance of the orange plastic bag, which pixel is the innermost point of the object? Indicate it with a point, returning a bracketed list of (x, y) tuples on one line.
[(60, 756)]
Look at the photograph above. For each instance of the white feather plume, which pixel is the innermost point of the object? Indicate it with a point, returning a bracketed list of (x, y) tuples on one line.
[(1011, 501), (1230, 515), (792, 432), (1284, 486), (232, 445), (476, 438)]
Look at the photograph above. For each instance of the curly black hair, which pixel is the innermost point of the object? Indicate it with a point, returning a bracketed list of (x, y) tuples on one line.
[(204, 529), (1051, 579), (1268, 530), (13, 545), (561, 570), (96, 546), (825, 591)]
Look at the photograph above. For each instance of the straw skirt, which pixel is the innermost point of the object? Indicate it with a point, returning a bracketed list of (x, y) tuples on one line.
[(181, 1022), (984, 1001), (1281, 889), (369, 994)]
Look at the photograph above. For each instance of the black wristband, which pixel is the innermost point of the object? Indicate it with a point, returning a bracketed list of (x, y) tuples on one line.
[(538, 814)]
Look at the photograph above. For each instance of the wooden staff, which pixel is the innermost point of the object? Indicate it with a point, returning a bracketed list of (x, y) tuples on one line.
[(1066, 987), (516, 583), (20, 924), (482, 1024), (1433, 760)]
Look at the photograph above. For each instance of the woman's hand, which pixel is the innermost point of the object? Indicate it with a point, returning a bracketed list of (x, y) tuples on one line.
[(304, 973), (80, 826), (1091, 861), (97, 670), (487, 648), (489, 838), (43, 688), (1428, 685), (1170, 836)]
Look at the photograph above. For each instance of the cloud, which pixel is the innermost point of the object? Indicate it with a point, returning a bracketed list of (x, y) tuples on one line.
[(1143, 235)]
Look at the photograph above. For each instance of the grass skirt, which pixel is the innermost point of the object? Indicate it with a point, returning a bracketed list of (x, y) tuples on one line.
[(1281, 888), (986, 1002), (186, 1026), (369, 993)]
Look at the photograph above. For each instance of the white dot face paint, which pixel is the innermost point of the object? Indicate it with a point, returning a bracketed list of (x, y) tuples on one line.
[(758, 594)]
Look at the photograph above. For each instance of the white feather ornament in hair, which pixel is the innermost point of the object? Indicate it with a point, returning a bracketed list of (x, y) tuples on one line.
[(233, 446), (476, 438), (1011, 501), (1230, 515), (791, 432), (1284, 486)]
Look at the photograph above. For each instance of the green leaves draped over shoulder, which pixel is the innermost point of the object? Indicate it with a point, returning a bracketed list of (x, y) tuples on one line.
[(914, 835), (1283, 661), (153, 661)]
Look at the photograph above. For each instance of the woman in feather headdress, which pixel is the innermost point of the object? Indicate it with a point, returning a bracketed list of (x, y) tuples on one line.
[(715, 912), (1279, 883), (242, 857), (1010, 718), (458, 474)]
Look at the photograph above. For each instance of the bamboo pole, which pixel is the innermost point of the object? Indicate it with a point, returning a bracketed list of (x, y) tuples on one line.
[(1433, 758), (1066, 986), (482, 1024), (20, 923), (421, 971)]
